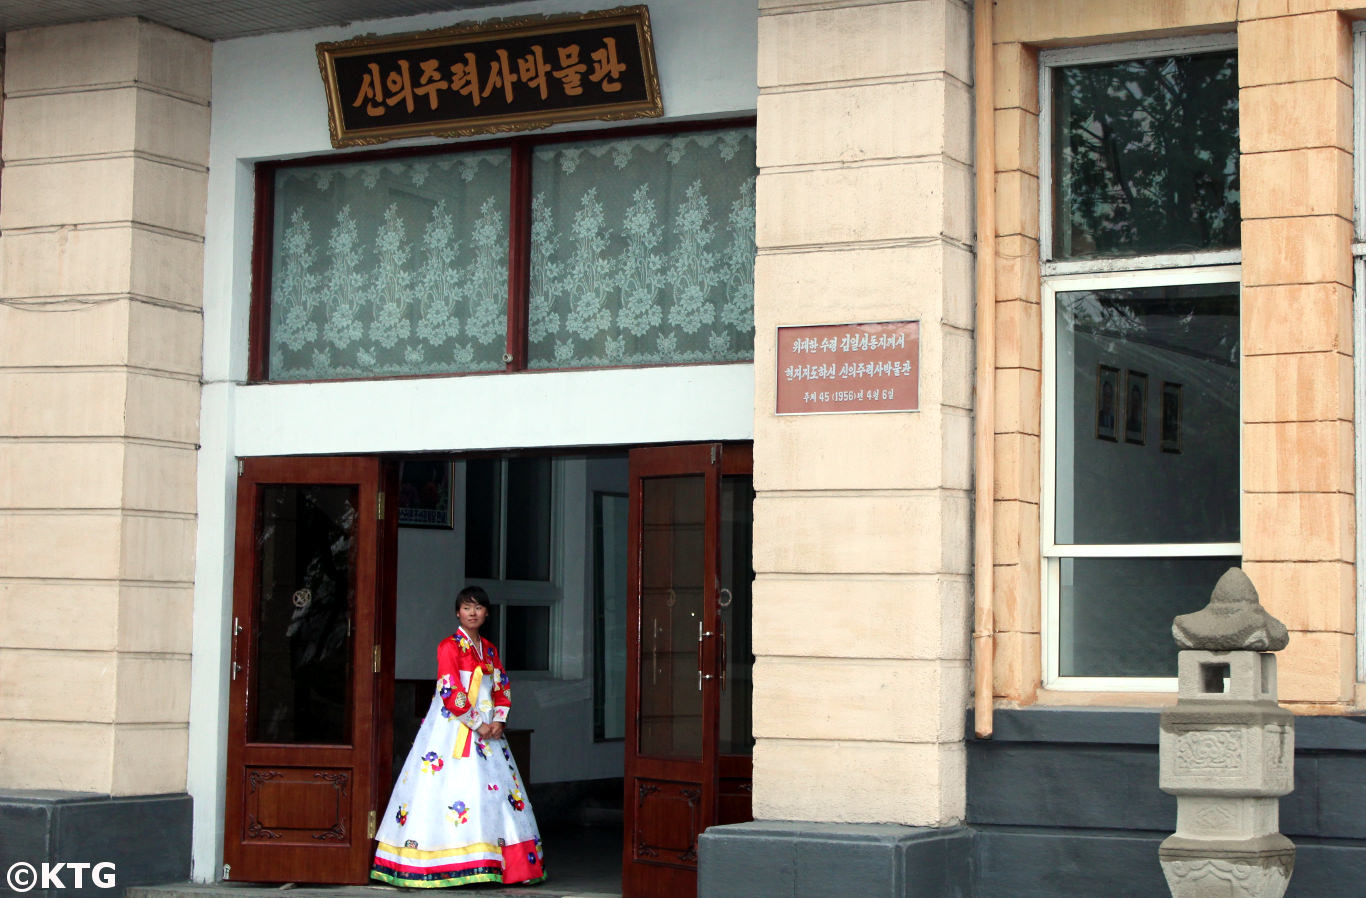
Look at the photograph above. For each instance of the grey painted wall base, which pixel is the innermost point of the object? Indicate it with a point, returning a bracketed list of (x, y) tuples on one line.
[(778, 859), (1064, 803), (146, 837)]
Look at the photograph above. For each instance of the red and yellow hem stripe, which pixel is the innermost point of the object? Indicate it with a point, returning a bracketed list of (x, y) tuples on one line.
[(477, 862)]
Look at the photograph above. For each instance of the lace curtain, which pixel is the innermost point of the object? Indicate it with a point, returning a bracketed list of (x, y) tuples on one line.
[(642, 251), (390, 268)]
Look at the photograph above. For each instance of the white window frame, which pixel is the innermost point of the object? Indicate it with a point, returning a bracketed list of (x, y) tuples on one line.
[(1221, 266), (548, 593), (1359, 321)]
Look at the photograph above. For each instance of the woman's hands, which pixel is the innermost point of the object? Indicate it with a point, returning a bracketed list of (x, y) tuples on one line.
[(491, 730)]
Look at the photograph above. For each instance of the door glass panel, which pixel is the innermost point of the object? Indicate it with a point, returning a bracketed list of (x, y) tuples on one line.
[(672, 566), (737, 577), (610, 549), (305, 595)]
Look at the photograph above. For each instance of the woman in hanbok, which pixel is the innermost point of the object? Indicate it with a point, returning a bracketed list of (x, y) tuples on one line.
[(460, 813)]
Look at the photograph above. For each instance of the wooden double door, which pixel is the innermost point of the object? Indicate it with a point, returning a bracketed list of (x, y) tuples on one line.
[(311, 664)]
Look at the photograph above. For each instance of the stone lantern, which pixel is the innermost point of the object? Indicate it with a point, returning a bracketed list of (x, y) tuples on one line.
[(1227, 751)]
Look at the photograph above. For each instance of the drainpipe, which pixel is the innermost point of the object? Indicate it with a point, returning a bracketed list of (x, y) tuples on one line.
[(983, 622)]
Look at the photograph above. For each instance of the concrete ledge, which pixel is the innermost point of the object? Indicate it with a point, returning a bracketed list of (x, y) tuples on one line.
[(776, 859), (1105, 726), (146, 837), (1128, 726)]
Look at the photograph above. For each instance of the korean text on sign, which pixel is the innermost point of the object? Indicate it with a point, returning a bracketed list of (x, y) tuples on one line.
[(872, 367), (495, 74)]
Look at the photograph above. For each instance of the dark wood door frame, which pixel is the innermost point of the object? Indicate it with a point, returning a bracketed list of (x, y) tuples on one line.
[(670, 800), (298, 812)]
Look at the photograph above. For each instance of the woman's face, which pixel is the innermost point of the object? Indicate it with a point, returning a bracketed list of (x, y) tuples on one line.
[(472, 615)]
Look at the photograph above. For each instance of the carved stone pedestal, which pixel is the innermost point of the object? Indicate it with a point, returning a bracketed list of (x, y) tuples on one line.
[(1226, 752)]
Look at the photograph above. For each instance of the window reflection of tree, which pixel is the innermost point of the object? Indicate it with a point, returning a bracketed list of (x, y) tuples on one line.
[(1149, 156), (1201, 327)]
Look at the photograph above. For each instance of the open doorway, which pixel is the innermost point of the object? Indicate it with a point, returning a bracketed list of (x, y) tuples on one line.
[(546, 536), (346, 574)]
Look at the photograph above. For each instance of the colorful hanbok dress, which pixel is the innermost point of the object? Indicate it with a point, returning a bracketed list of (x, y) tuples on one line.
[(459, 813)]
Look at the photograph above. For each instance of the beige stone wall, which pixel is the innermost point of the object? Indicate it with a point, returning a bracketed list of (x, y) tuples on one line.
[(862, 522), (105, 150), (1295, 123)]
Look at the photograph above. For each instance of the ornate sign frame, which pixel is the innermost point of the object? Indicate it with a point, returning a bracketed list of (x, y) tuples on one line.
[(511, 75)]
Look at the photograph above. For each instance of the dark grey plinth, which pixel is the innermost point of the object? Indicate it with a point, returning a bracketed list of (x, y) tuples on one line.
[(807, 860), (146, 837), (1018, 862)]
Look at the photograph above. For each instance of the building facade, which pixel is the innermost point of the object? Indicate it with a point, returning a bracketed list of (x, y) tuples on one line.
[(1128, 237)]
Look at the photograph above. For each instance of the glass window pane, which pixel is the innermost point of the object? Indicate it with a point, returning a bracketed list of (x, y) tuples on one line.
[(1145, 156), (390, 267), (526, 642), (1115, 614), (483, 517), (642, 251), (305, 595), (1147, 415), (528, 516), (610, 547), (737, 578)]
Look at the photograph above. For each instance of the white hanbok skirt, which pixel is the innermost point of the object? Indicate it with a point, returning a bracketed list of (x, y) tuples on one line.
[(459, 813)]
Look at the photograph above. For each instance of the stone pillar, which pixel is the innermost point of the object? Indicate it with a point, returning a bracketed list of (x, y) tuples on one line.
[(1227, 751), (862, 531), (105, 150), (1295, 136)]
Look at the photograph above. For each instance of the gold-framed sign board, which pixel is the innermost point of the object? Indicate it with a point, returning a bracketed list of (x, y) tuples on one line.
[(511, 75)]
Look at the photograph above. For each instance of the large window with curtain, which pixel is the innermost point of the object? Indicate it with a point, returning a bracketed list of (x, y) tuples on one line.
[(635, 248)]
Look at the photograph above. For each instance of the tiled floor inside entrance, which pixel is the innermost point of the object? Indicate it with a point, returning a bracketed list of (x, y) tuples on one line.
[(581, 862)]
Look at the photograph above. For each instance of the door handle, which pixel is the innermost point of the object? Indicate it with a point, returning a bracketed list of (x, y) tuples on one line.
[(701, 635), (236, 628)]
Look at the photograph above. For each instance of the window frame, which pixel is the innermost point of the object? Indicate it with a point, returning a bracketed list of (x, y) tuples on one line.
[(1152, 270), (515, 355), (547, 593), (1053, 59), (1053, 553)]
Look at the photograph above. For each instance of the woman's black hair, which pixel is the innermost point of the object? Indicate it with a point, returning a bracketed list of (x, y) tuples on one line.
[(473, 594)]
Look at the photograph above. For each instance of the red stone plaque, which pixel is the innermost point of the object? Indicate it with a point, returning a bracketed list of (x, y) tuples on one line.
[(830, 368)]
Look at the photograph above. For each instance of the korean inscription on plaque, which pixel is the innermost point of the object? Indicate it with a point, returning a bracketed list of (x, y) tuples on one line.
[(831, 368), (506, 76)]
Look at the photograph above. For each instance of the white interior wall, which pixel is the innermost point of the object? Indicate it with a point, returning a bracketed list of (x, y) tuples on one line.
[(268, 103), (558, 708)]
